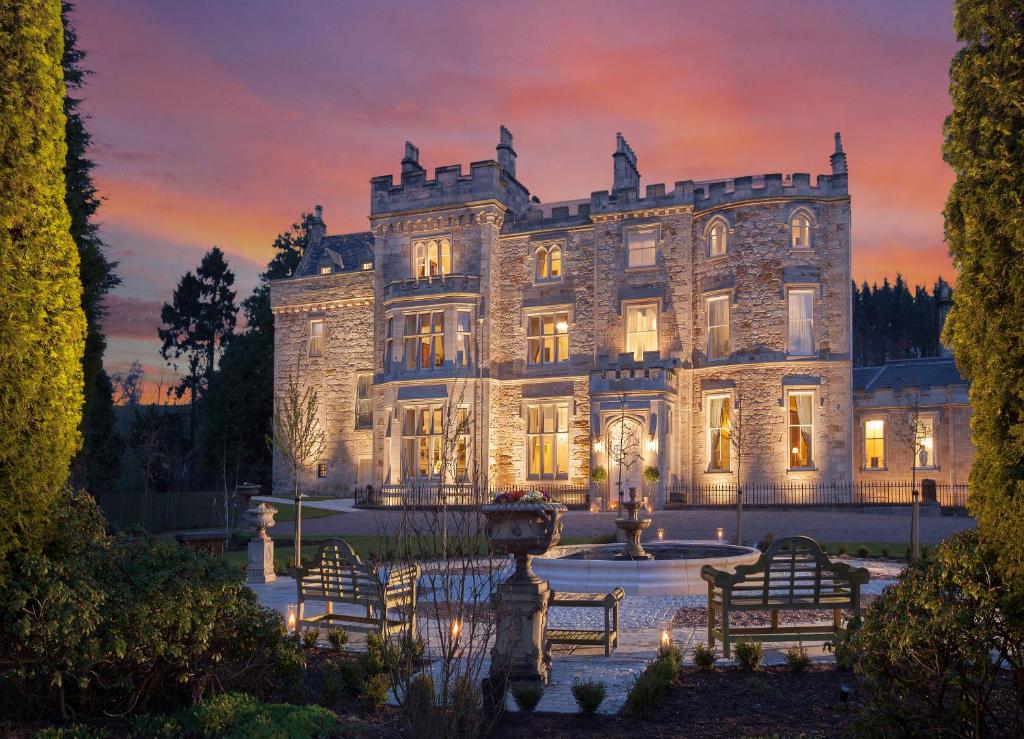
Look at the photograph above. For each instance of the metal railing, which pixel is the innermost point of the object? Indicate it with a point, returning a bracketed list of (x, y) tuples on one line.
[(430, 496), (812, 494), (158, 512)]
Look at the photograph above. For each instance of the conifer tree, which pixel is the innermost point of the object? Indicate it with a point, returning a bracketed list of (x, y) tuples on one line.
[(984, 226), (97, 463), (42, 327)]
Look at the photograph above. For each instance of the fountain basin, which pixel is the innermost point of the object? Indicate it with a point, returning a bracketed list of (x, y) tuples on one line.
[(675, 569)]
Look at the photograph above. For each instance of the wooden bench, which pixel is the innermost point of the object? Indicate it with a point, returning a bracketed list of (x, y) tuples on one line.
[(608, 637), (793, 573), (340, 577)]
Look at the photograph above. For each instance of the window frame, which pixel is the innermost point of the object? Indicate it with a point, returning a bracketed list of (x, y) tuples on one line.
[(933, 418), (543, 257), (435, 440), (708, 300), (560, 442), (326, 269), (421, 257), (812, 465), (434, 337), (790, 292), (632, 231), (316, 341), (708, 429), (360, 408), (541, 338), (714, 225), (628, 306), (804, 215), (321, 470), (883, 467)]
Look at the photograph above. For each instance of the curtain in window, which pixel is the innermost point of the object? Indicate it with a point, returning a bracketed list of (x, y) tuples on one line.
[(801, 321), (641, 330), (718, 328), (801, 429), (719, 412)]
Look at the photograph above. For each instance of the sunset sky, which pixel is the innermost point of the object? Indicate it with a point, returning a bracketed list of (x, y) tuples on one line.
[(221, 122)]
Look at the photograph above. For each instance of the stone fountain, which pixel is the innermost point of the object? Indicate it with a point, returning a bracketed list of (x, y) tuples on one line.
[(633, 527)]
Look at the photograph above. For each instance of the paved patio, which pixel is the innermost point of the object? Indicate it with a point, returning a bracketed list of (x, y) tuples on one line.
[(641, 622)]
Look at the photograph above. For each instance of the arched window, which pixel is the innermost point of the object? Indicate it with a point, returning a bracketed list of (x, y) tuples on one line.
[(800, 231), (547, 264), (717, 239), (432, 258)]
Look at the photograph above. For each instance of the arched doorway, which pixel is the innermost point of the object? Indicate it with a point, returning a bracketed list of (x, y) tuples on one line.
[(625, 448)]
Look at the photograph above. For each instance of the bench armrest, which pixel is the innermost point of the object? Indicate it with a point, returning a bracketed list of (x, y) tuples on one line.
[(720, 578)]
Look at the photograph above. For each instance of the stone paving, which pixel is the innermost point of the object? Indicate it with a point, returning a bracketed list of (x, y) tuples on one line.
[(823, 525), (641, 622)]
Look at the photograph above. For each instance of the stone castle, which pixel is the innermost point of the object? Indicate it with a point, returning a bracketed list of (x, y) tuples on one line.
[(475, 333)]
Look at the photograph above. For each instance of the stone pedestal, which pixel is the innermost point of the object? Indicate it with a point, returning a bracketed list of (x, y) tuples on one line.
[(521, 651), (261, 561)]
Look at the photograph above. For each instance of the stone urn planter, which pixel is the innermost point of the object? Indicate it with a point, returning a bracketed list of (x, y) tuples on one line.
[(260, 567), (521, 651)]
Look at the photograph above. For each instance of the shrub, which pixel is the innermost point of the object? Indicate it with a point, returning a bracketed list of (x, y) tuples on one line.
[(797, 659), (863, 552), (342, 678), (589, 696), (651, 474), (841, 551), (527, 695), (749, 653), (672, 656), (419, 708), (650, 688), (886, 552), (926, 553), (599, 474), (240, 715), (338, 639), (99, 625), (703, 657), (842, 647), (375, 691), (932, 646), (466, 707), (310, 637)]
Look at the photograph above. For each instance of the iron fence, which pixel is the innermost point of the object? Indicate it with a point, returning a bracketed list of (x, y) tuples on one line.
[(158, 512), (434, 495), (814, 494)]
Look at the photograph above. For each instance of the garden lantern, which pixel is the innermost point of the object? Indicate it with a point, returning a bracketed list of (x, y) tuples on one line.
[(291, 619), (661, 534), (720, 534), (666, 638)]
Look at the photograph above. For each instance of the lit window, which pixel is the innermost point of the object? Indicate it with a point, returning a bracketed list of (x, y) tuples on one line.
[(547, 264), (464, 338), (925, 442), (800, 408), (642, 244), (364, 404), (389, 343), (367, 265), (547, 440), (547, 338), (718, 327), (717, 239), (432, 257), (719, 424), (801, 322), (316, 338), (426, 430), (800, 231), (874, 444), (321, 470), (424, 340), (641, 330), (326, 269)]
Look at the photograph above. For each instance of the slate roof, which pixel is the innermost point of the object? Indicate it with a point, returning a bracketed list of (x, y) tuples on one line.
[(899, 373), (344, 252)]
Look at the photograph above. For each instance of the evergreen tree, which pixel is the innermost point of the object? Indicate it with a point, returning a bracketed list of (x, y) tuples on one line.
[(42, 328), (984, 145), (97, 463)]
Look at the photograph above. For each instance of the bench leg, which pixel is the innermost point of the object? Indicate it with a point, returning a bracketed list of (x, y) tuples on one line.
[(711, 619), (726, 651), (775, 620), (837, 620), (615, 623)]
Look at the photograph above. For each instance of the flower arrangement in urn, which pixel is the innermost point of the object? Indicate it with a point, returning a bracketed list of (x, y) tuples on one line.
[(521, 496)]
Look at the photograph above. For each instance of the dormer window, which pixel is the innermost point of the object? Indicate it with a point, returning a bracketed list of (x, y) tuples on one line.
[(800, 231), (367, 265), (547, 264), (432, 257), (718, 237), (326, 269)]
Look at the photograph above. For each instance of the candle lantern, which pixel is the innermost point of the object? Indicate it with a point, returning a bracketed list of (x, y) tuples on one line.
[(720, 534), (666, 638), (661, 534), (292, 618)]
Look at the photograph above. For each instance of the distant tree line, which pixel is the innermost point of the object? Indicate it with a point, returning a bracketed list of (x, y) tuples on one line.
[(890, 322)]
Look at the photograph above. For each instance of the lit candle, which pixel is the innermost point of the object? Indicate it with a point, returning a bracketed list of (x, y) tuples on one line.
[(292, 618), (720, 533), (666, 638), (661, 534)]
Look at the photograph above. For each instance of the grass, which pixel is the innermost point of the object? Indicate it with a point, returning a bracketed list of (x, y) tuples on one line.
[(897, 550), (286, 512)]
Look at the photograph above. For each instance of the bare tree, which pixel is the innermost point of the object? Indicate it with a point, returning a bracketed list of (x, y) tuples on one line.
[(128, 386), (624, 449), (737, 443), (906, 432)]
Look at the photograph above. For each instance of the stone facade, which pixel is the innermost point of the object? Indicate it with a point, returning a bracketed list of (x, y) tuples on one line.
[(449, 302)]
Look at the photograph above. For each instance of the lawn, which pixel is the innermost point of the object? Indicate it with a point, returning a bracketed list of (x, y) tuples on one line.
[(286, 512)]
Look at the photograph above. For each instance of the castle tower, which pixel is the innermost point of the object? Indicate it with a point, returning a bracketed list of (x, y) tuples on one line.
[(506, 154), (625, 174)]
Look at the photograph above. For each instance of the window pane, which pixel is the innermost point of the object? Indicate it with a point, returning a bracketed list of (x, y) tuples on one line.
[(925, 442), (556, 262), (562, 442), (464, 320), (541, 260), (446, 256), (642, 246), (801, 307), (874, 444)]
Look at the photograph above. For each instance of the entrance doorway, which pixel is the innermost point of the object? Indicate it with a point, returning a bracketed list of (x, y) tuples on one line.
[(625, 436)]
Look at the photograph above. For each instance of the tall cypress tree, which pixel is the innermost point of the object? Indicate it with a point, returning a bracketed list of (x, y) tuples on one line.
[(985, 231), (98, 462), (42, 327)]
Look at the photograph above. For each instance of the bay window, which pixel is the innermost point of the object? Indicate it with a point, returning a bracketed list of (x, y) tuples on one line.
[(432, 257), (424, 340)]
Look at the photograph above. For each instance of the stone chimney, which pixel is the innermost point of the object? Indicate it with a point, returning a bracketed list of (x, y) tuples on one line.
[(506, 154), (318, 229), (625, 174), (411, 160), (838, 158)]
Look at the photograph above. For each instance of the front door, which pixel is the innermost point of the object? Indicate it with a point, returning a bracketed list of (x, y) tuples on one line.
[(626, 464)]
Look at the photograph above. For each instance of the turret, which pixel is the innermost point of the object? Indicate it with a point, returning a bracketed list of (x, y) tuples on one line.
[(625, 174), (506, 154), (838, 158)]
